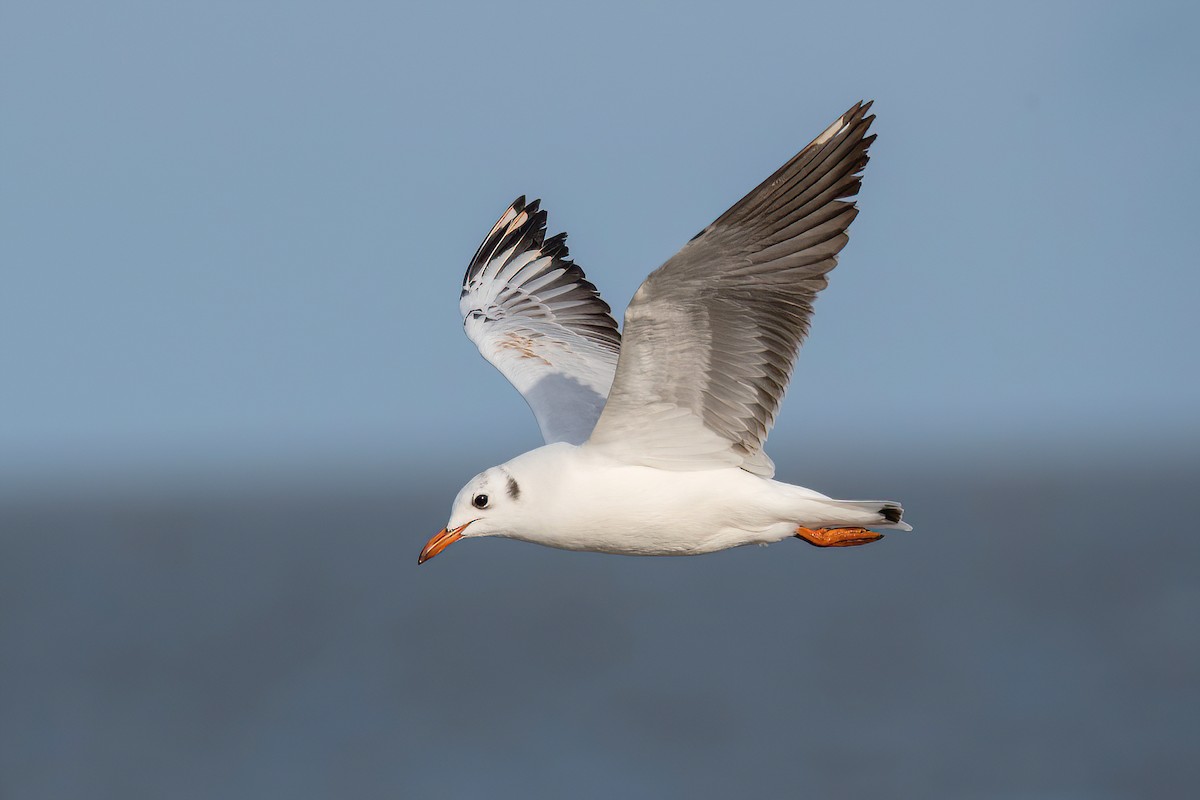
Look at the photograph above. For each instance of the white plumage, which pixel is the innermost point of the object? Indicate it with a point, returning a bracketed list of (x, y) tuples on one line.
[(654, 441)]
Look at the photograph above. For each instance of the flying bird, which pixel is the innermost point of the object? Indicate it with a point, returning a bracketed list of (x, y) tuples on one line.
[(654, 433)]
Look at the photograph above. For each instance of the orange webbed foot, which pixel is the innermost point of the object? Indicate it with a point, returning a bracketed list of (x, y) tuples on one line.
[(837, 537)]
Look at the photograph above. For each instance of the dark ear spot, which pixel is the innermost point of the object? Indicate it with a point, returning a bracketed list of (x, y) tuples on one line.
[(514, 491)]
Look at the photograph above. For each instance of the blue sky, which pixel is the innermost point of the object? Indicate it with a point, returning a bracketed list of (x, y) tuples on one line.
[(235, 231)]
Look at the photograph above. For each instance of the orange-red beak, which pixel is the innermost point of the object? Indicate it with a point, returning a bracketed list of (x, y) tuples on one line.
[(440, 542)]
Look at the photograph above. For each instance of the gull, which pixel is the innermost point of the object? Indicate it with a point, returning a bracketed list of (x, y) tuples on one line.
[(654, 434)]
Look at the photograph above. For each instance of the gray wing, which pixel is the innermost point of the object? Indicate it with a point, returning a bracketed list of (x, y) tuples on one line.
[(711, 337), (537, 319)]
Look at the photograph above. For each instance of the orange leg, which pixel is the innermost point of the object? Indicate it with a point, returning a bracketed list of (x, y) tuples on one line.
[(838, 537)]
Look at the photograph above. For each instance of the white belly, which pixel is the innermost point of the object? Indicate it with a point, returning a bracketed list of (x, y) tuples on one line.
[(600, 505)]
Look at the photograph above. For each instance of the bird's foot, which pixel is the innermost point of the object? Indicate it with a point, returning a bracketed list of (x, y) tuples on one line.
[(837, 537)]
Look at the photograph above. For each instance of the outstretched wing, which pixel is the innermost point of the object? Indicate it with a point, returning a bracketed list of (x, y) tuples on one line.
[(711, 337), (533, 314)]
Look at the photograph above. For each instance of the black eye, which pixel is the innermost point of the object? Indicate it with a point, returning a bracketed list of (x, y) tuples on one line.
[(480, 501)]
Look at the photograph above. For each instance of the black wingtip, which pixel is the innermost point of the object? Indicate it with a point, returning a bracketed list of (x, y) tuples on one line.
[(858, 114), (891, 513), (529, 233), (556, 247)]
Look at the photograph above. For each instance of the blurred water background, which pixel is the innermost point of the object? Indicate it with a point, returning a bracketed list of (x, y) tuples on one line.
[(235, 401)]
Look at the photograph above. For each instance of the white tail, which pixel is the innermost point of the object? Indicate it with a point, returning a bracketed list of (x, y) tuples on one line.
[(869, 513)]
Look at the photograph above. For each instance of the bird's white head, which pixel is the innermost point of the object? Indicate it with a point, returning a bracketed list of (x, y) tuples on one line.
[(489, 505)]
